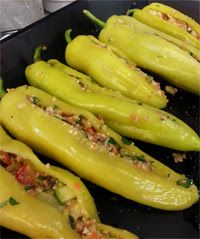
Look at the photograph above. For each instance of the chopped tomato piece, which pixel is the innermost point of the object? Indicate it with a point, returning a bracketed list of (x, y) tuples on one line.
[(25, 175), (77, 186)]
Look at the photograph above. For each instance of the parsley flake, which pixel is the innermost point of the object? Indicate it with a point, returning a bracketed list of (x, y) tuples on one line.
[(138, 157), (11, 201), (3, 204), (111, 140), (35, 100), (186, 183), (126, 141)]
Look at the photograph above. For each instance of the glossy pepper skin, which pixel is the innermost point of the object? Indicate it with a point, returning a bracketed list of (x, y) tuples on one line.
[(170, 21), (32, 216), (110, 68), (54, 138), (140, 26), (136, 120), (153, 53)]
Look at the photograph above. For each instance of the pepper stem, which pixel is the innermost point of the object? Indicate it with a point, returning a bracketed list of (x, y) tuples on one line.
[(130, 11), (37, 53), (2, 90), (94, 19), (68, 35)]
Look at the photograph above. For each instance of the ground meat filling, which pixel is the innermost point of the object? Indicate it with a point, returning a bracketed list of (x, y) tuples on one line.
[(84, 126), (175, 21), (34, 181)]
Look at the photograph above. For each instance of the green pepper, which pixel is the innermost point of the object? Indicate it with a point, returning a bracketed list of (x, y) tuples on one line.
[(153, 52), (142, 122), (110, 68), (38, 214), (73, 137), (170, 21)]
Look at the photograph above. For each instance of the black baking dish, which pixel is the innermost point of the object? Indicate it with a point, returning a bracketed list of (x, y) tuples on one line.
[(17, 52)]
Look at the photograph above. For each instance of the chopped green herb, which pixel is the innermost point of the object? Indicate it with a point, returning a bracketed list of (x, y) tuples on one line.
[(12, 201), (55, 107), (27, 187), (36, 100), (126, 141), (140, 103), (3, 204), (186, 183), (138, 157), (111, 140), (71, 222), (40, 178), (168, 175)]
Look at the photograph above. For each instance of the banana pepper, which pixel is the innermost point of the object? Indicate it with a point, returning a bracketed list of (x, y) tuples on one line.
[(135, 119), (140, 26), (152, 52), (111, 68), (81, 142), (170, 21), (38, 200)]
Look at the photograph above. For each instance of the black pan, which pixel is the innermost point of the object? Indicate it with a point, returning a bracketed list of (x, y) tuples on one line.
[(17, 52)]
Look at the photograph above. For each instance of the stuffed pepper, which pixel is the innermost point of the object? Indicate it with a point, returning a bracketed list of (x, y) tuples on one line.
[(170, 21), (42, 201), (109, 67), (153, 52), (81, 142), (136, 120)]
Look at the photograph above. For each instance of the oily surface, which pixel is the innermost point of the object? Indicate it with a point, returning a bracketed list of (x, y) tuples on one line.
[(17, 53)]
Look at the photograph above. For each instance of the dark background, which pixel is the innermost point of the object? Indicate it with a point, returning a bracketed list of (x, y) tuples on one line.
[(17, 52)]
